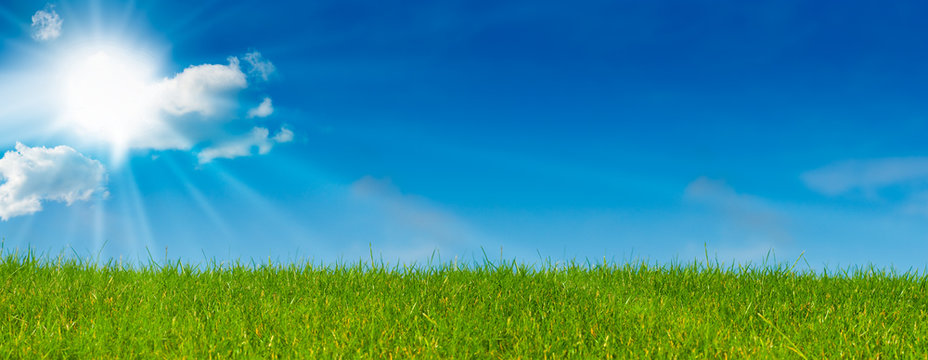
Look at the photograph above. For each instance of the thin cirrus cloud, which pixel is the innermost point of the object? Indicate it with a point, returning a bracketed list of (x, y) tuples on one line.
[(33, 175), (412, 225), (46, 24), (754, 220), (867, 176)]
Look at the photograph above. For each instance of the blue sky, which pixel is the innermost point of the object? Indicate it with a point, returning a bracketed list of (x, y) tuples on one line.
[(607, 128)]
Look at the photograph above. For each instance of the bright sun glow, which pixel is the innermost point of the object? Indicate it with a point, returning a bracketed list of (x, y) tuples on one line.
[(109, 97)]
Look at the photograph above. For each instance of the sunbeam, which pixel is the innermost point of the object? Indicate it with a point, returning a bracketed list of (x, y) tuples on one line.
[(276, 169), (291, 229), (140, 229), (201, 202), (11, 18), (25, 232), (99, 231)]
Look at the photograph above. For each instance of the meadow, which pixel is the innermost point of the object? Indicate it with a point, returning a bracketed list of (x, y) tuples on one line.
[(66, 307)]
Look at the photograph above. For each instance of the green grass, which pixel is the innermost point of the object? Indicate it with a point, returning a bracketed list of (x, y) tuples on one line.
[(65, 308)]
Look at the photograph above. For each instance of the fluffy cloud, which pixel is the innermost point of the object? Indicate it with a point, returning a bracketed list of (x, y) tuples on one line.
[(200, 88), (283, 136), (264, 109), (208, 92), (260, 67), (867, 176), (258, 140), (32, 175), (46, 24), (113, 97)]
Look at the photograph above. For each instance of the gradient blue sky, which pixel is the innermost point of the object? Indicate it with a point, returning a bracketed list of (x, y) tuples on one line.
[(599, 128)]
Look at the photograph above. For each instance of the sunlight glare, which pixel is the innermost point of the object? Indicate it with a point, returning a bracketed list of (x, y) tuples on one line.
[(109, 97)]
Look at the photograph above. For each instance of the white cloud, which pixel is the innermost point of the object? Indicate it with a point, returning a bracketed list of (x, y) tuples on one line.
[(32, 175), (260, 67), (200, 88), (867, 176), (264, 109), (46, 24), (208, 91), (283, 136), (195, 107), (258, 139)]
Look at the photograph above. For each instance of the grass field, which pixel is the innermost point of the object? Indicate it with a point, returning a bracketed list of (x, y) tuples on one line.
[(59, 308)]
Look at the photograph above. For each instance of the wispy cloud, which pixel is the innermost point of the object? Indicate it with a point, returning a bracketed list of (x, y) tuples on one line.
[(46, 24), (32, 175), (867, 176), (411, 225), (258, 139), (259, 66), (751, 218)]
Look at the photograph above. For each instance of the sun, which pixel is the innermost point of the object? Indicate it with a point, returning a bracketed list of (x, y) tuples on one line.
[(109, 96)]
